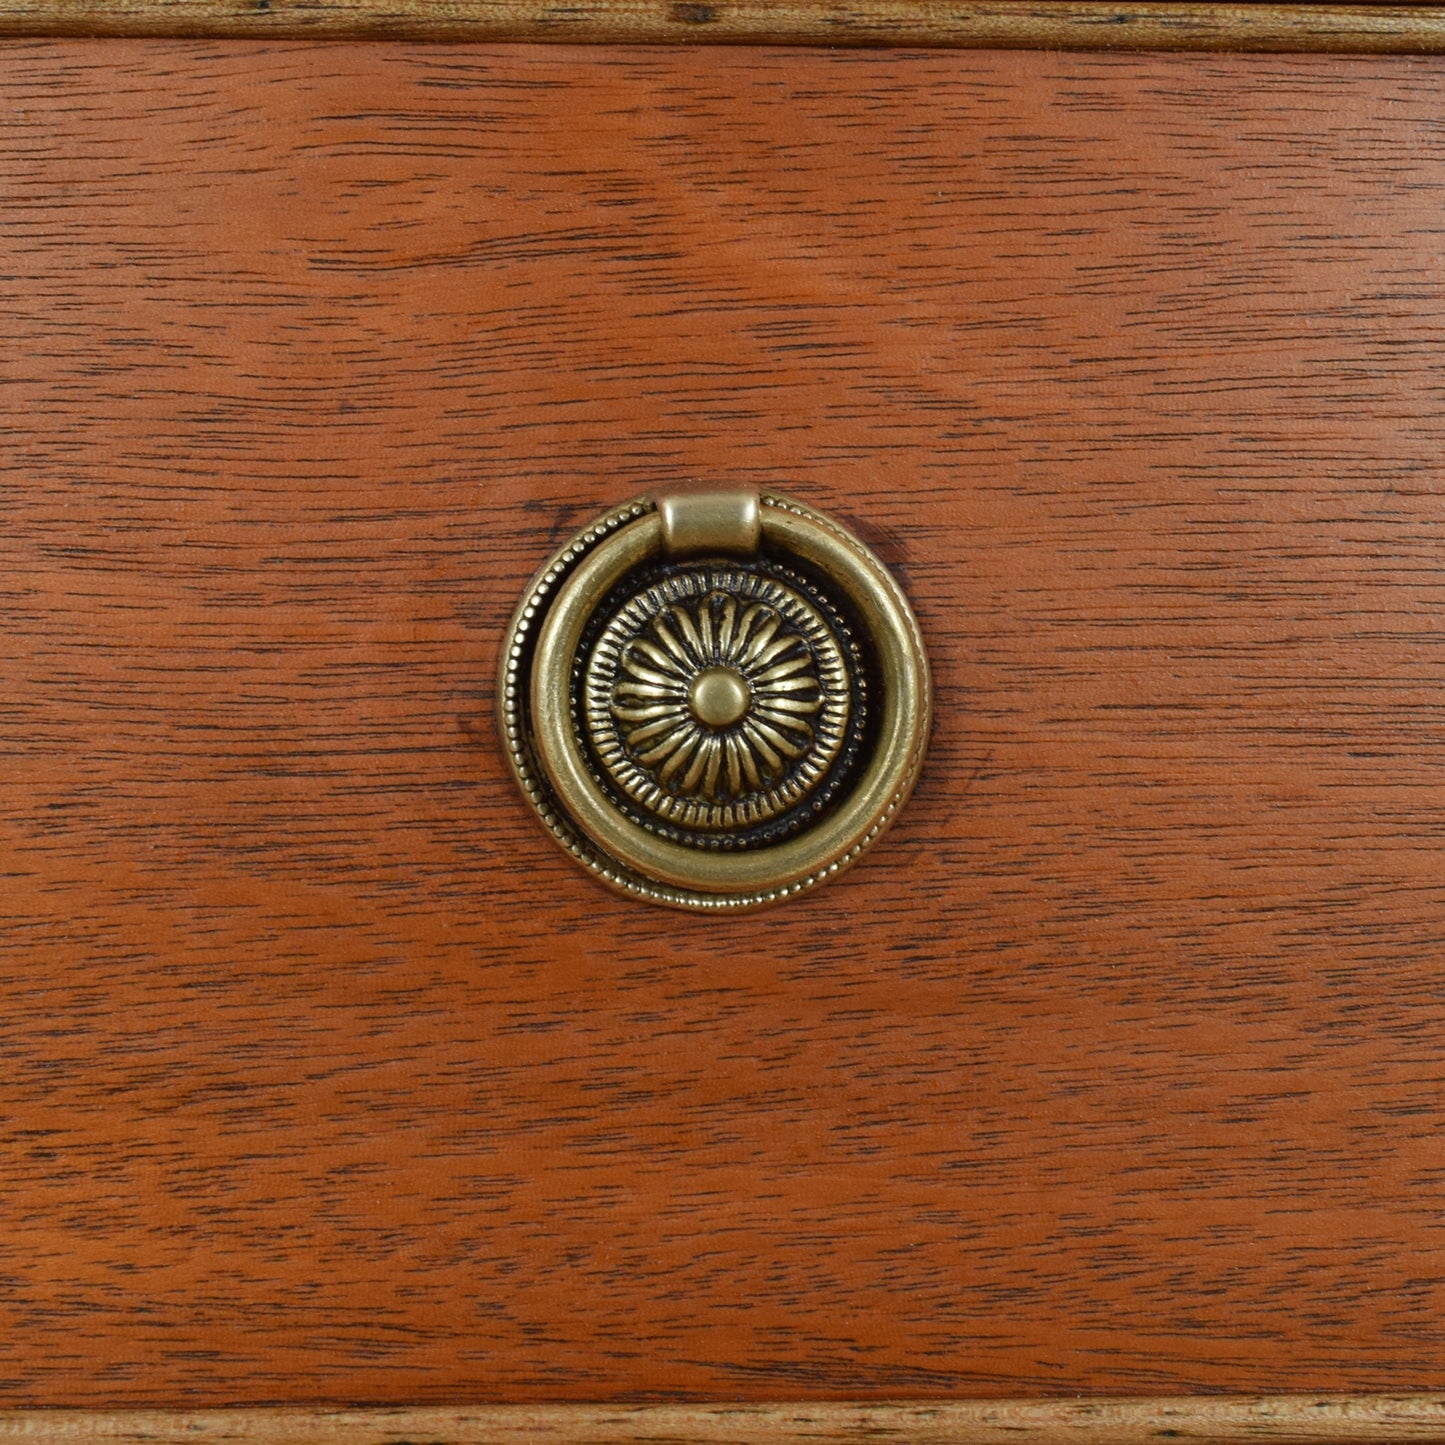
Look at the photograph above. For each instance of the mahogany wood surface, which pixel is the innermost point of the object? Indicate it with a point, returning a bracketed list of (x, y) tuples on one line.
[(1115, 1069), (1252, 25)]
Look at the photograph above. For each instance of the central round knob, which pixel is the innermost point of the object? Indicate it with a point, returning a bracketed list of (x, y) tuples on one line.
[(719, 697)]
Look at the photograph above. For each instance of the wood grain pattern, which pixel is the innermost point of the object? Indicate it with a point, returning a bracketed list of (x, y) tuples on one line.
[(1303, 1420), (1006, 24), (1116, 1069)]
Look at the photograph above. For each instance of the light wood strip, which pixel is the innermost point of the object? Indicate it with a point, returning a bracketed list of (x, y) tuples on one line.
[(1004, 24), (1298, 1420)]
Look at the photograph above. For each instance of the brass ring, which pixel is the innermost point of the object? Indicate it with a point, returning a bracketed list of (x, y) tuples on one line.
[(547, 752)]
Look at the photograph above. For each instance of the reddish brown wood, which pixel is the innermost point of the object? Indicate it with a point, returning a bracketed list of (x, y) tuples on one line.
[(1116, 1068)]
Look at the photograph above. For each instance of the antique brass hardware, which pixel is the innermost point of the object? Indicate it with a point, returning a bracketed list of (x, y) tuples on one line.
[(714, 700)]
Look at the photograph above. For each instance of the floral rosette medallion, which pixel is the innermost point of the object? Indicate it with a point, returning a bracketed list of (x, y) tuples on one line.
[(719, 701)]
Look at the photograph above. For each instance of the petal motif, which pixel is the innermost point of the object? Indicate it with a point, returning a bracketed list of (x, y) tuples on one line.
[(696, 765)]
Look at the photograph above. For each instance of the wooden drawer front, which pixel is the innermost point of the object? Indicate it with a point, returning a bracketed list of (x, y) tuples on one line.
[(1116, 1068)]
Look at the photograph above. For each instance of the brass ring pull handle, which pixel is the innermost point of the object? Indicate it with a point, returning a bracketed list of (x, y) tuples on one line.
[(715, 700)]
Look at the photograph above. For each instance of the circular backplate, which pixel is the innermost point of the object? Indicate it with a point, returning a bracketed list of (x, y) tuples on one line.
[(714, 719)]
